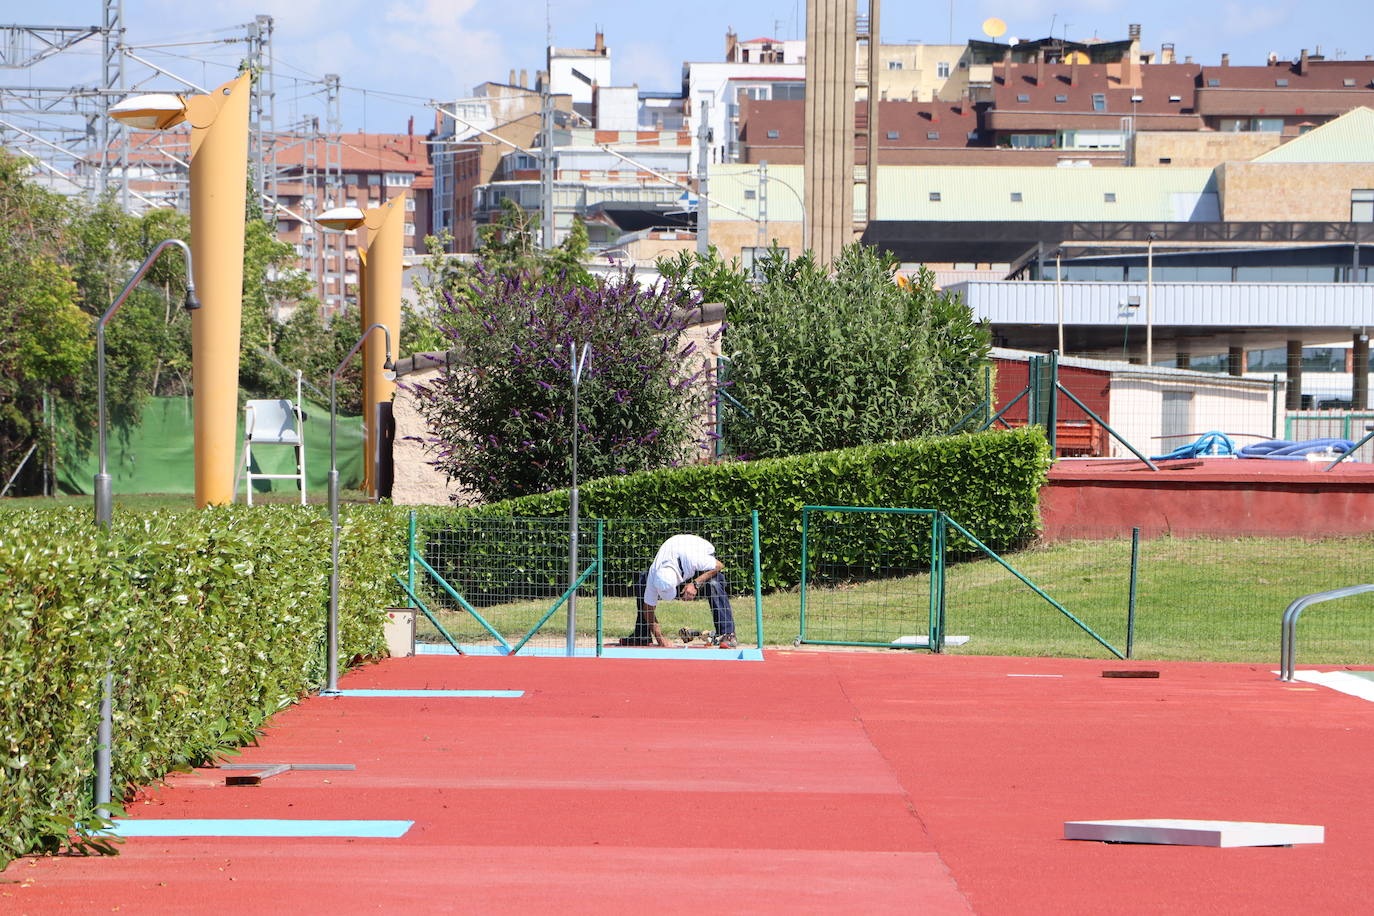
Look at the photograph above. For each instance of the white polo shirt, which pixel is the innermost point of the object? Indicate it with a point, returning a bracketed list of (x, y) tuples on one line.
[(680, 558)]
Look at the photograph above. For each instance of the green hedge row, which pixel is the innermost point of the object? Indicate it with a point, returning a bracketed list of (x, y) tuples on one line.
[(989, 482), (214, 620)]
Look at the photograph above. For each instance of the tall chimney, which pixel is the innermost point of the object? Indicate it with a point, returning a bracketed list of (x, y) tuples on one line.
[(1040, 67), (1302, 63), (511, 81), (1073, 70), (1226, 60), (600, 46), (524, 78)]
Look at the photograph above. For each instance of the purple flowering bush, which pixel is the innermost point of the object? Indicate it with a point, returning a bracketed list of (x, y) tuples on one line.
[(500, 415)]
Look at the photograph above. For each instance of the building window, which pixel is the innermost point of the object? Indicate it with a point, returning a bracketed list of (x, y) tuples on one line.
[(1023, 98), (1176, 98), (1282, 84), (973, 135), (893, 135), (1016, 197), (398, 180), (1099, 101), (1348, 83), (894, 65), (942, 70), (1109, 197), (773, 134), (410, 203), (1061, 98), (373, 180), (935, 197), (750, 194), (1166, 160), (1362, 205), (932, 135), (1214, 82)]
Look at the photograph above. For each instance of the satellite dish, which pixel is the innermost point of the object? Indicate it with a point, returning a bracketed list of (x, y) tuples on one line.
[(994, 27), (1013, 41)]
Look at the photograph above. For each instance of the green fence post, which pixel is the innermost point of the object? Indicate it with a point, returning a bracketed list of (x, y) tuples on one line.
[(410, 558), (936, 581), (600, 581), (1052, 408), (801, 632), (758, 585), (1130, 607)]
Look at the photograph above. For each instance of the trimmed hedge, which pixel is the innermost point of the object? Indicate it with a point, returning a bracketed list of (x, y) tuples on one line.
[(215, 620), (989, 482)]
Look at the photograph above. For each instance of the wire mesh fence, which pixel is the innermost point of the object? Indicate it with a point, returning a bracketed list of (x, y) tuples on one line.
[(870, 580), (503, 584), (867, 577)]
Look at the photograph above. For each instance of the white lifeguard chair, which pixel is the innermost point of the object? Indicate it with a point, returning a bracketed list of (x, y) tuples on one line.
[(274, 422)]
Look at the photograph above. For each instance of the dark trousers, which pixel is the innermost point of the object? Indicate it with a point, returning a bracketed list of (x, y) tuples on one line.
[(716, 591)]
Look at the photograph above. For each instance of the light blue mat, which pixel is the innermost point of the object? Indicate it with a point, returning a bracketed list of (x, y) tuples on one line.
[(748, 654), (258, 827)]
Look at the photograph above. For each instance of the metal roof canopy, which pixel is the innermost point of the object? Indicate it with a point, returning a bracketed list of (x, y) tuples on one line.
[(1197, 318), (1019, 242)]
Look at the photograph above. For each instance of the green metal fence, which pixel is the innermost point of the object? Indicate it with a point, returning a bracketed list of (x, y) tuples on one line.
[(500, 585), (916, 578)]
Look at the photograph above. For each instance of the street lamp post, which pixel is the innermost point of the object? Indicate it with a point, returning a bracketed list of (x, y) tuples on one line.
[(1059, 295), (104, 504), (219, 181), (389, 370), (575, 367), (1150, 299)]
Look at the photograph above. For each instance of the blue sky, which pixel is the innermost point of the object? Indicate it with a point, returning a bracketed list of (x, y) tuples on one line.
[(404, 52)]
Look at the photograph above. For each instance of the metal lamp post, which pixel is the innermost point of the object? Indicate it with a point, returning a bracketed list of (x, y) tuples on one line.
[(104, 502), (389, 372), (575, 366)]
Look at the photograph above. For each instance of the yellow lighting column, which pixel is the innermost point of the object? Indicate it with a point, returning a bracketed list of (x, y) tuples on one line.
[(381, 283), (379, 295), (219, 180)]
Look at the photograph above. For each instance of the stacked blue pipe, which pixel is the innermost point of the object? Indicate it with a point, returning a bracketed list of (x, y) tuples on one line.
[(1212, 443), (1284, 450)]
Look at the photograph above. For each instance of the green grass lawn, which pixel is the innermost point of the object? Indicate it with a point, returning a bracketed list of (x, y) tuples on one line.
[(1206, 599)]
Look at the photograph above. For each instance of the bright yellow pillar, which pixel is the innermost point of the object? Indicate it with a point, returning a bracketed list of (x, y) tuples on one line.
[(219, 179), (380, 284)]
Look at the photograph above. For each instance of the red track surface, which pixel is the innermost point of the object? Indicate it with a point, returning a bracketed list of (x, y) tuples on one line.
[(815, 781)]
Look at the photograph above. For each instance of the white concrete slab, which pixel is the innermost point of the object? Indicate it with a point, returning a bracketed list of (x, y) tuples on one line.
[(925, 640), (1343, 681), (1185, 832)]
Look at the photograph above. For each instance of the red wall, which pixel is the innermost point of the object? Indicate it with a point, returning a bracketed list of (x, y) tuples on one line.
[(1091, 386), (1220, 498)]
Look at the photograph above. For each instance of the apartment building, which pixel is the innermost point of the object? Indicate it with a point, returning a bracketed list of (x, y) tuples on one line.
[(373, 168)]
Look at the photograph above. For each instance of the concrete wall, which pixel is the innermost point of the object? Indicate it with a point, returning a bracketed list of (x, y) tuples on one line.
[(1200, 149), (1222, 403), (1292, 191)]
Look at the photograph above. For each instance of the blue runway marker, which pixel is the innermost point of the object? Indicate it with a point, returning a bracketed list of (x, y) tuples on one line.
[(425, 694), (258, 827)]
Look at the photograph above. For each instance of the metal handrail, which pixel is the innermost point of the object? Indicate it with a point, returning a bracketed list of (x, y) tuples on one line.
[(1287, 644)]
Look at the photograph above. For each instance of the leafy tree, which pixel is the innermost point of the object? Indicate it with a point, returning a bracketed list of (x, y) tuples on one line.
[(500, 416), (831, 359), (707, 278)]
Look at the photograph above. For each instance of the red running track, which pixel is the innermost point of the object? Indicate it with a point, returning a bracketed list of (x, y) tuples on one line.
[(842, 782)]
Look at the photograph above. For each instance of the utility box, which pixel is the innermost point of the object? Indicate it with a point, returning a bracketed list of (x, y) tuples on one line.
[(399, 628)]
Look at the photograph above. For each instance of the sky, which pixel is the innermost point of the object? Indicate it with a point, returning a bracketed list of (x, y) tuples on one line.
[(393, 56)]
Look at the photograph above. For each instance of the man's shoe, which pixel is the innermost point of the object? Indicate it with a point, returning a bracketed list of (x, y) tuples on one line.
[(728, 641)]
